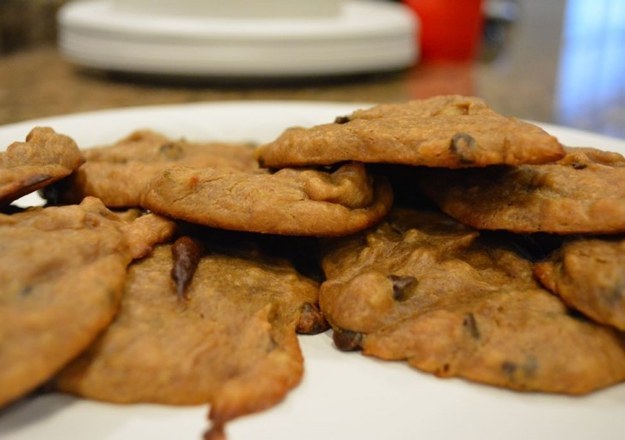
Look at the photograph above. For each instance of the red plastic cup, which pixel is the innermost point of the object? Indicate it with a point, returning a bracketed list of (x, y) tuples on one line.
[(450, 29)]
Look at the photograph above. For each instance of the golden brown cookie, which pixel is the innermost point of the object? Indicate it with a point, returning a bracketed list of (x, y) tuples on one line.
[(584, 192), (43, 158), (119, 173), (289, 202), (62, 273), (230, 340), (423, 288), (443, 131), (589, 275)]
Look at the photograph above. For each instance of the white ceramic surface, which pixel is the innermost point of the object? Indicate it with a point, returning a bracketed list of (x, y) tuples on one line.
[(364, 37), (234, 8), (343, 395)]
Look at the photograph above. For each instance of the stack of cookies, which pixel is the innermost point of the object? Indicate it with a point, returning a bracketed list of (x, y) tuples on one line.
[(437, 231)]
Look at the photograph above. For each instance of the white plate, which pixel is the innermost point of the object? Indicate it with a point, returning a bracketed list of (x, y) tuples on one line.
[(366, 36), (343, 395)]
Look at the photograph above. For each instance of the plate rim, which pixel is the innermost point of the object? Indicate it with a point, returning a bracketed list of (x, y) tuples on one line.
[(133, 110)]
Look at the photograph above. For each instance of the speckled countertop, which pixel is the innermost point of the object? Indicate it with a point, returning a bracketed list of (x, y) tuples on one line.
[(535, 72)]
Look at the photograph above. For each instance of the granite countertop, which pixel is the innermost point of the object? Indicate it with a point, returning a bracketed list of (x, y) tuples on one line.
[(38, 82)]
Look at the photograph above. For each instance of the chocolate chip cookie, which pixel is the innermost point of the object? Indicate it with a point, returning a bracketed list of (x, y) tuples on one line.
[(45, 157), (118, 174), (229, 340), (421, 287), (589, 275), (62, 273), (443, 131), (584, 192), (290, 201)]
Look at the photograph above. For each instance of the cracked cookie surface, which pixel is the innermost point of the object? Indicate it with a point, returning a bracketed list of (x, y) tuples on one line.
[(589, 275), (62, 272), (230, 341), (288, 202), (443, 131), (118, 174), (44, 158), (584, 192), (422, 288)]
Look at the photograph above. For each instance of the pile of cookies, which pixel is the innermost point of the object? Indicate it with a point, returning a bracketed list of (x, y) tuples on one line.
[(437, 231)]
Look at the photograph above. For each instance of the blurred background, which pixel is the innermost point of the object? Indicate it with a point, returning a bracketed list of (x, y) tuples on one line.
[(556, 61)]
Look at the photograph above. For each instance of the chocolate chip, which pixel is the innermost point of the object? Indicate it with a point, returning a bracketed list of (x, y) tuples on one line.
[(26, 290), (470, 324), (509, 368), (530, 366), (578, 166), (616, 294), (347, 340), (401, 285), (311, 320), (463, 145), (341, 120), (186, 253), (171, 150), (525, 370)]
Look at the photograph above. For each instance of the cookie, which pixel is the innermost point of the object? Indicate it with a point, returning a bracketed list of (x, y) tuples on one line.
[(118, 174), (589, 275), (289, 202), (43, 158), (584, 192), (421, 287), (230, 340), (443, 131), (62, 272)]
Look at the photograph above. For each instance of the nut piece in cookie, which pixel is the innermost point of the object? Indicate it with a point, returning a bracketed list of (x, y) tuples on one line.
[(118, 174), (289, 202), (421, 287), (229, 341), (584, 192), (42, 159), (62, 272), (443, 131), (589, 275)]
